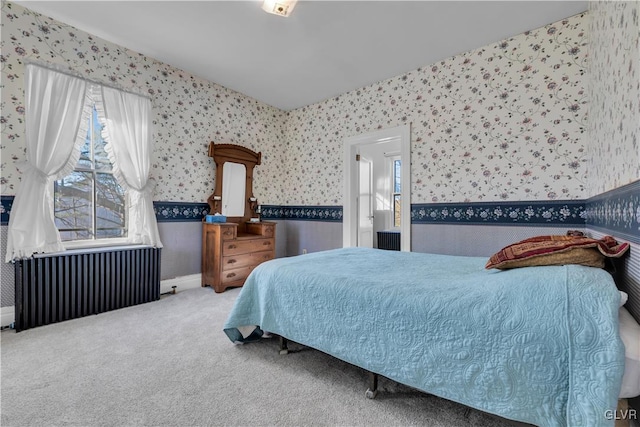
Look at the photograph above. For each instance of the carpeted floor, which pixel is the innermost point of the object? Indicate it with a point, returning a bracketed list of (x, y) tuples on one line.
[(169, 363)]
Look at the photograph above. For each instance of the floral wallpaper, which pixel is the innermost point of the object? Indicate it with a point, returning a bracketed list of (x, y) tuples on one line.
[(614, 122), (189, 111), (503, 122)]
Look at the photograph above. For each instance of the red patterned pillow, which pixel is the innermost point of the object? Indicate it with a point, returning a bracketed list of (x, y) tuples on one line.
[(557, 250)]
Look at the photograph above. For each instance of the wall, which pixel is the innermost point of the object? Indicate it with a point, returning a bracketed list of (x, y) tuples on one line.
[(541, 137), (499, 123), (614, 130), (614, 124), (614, 88)]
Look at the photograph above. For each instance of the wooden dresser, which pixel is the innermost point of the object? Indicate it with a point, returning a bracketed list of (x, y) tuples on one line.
[(228, 256)]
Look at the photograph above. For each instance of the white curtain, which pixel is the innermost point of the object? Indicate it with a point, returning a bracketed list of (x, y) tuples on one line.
[(129, 145), (54, 112)]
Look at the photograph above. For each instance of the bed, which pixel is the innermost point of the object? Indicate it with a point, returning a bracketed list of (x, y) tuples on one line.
[(537, 344)]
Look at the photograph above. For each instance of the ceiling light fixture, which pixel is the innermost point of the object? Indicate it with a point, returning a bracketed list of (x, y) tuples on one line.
[(279, 7)]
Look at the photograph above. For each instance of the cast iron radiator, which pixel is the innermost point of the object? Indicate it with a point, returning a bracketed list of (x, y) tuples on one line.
[(389, 240), (66, 286)]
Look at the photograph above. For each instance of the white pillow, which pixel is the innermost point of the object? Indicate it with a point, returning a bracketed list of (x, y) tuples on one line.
[(630, 335), (623, 298)]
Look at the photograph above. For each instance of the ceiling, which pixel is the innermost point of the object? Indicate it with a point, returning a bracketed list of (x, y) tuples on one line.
[(325, 48)]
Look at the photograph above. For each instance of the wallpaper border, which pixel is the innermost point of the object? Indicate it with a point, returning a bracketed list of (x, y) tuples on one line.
[(548, 213), (6, 203), (616, 212), (558, 213), (180, 211), (303, 213)]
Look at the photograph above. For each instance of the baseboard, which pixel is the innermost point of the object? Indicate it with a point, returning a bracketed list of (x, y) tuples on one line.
[(7, 315), (181, 283)]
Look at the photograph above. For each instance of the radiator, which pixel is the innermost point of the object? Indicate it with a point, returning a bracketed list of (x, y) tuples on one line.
[(65, 286), (389, 240)]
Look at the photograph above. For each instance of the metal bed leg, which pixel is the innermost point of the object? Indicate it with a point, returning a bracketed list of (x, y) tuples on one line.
[(372, 391), (283, 346)]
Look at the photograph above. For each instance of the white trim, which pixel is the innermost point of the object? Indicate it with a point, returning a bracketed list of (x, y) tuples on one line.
[(182, 283), (7, 315), (351, 147)]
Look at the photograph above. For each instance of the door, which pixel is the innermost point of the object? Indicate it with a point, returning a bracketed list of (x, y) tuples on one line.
[(365, 203)]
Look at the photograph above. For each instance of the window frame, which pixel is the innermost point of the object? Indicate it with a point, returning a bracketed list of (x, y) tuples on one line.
[(95, 170)]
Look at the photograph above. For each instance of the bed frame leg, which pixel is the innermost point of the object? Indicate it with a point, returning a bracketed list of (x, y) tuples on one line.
[(284, 349), (372, 391)]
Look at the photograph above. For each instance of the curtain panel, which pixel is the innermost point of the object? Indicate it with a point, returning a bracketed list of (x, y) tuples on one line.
[(129, 146), (54, 111)]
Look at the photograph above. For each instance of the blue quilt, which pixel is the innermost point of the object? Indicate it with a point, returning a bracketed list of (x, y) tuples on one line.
[(537, 344)]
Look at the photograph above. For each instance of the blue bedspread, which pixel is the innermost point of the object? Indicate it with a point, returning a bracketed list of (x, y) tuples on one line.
[(537, 344)]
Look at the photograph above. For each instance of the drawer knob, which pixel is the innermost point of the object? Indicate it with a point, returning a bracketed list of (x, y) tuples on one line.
[(231, 275), (266, 243), (231, 261), (232, 246)]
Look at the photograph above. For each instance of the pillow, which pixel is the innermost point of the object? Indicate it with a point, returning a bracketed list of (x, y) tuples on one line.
[(624, 297), (581, 256), (557, 250)]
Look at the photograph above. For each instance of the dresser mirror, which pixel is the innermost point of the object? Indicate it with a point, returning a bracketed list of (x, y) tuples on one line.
[(233, 187), (233, 194)]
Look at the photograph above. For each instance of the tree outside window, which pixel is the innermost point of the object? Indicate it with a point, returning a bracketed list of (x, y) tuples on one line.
[(89, 203)]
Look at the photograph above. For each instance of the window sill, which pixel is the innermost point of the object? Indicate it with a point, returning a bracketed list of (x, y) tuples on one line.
[(83, 247), (90, 244)]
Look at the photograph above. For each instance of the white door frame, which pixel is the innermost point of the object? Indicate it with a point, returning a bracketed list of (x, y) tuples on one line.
[(350, 203)]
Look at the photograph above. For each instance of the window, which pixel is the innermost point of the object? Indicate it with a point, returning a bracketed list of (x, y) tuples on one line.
[(396, 196), (89, 204)]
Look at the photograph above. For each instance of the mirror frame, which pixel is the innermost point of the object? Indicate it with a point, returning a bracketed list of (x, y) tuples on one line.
[(223, 153)]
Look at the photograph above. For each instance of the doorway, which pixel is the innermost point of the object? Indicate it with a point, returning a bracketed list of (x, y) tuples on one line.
[(353, 148), (365, 203)]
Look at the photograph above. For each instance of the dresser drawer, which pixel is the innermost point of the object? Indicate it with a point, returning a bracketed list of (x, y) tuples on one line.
[(236, 274), (242, 260), (236, 247), (228, 232), (261, 229)]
